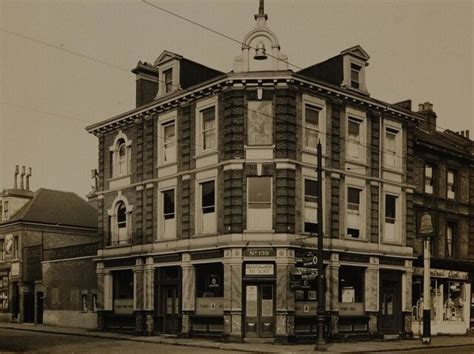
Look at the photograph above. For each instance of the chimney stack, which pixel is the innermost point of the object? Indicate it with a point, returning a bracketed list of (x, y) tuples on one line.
[(22, 178), (17, 171), (426, 109), (467, 134), (28, 175)]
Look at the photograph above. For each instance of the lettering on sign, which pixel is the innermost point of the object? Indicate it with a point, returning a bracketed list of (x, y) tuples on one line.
[(351, 309), (259, 269), (259, 252), (443, 273)]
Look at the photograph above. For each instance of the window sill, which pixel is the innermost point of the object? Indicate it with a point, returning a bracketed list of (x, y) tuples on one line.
[(167, 164), (259, 231), (359, 162), (205, 153), (392, 243), (119, 245), (269, 146), (356, 239), (392, 169), (117, 178), (206, 234)]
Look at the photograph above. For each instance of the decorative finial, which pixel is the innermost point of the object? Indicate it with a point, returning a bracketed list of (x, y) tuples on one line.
[(261, 11)]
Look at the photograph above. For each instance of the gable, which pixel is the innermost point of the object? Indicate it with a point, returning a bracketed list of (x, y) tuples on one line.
[(166, 56), (358, 52)]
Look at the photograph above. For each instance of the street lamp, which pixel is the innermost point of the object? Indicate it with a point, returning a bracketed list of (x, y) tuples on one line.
[(426, 230), (321, 313)]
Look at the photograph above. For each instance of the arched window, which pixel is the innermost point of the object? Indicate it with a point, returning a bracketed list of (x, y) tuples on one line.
[(120, 156), (120, 220)]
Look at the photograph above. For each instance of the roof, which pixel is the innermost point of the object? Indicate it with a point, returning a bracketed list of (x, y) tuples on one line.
[(443, 141), (57, 208)]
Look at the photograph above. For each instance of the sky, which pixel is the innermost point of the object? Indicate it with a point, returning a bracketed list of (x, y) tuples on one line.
[(420, 50)]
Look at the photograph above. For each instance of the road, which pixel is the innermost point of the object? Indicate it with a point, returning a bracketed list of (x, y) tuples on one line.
[(457, 350), (40, 342)]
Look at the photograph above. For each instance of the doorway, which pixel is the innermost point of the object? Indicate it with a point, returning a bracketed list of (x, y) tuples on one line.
[(259, 310), (39, 307), (390, 315), (170, 309), (168, 300), (28, 307)]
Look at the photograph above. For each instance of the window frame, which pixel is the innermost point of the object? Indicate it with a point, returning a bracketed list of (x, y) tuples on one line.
[(165, 120), (310, 204), (432, 178), (163, 199), (355, 68), (168, 82), (361, 213), (455, 250), (453, 185), (352, 145), (201, 107), (270, 203), (307, 128)]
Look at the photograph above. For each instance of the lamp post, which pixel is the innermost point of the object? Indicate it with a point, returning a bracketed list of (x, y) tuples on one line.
[(426, 230), (321, 311)]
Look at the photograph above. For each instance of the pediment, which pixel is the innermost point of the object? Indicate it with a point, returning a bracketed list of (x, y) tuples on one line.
[(166, 56), (358, 52)]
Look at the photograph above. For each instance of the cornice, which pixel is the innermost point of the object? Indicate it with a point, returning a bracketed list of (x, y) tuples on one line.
[(247, 80)]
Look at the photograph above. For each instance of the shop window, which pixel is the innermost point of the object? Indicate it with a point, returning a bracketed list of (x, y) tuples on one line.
[(208, 220), (429, 178), (310, 206), (260, 123), (311, 126), (259, 203), (209, 280), (354, 215), (351, 284), (452, 247), (4, 287), (447, 300), (84, 307), (169, 213), (451, 185), (123, 292)]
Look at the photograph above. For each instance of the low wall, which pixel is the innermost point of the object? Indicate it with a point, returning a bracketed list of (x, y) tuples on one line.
[(76, 319)]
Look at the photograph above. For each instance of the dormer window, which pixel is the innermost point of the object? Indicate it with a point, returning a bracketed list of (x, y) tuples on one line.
[(168, 80), (355, 76)]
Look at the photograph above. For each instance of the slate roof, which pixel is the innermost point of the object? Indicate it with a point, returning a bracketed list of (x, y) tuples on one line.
[(57, 208)]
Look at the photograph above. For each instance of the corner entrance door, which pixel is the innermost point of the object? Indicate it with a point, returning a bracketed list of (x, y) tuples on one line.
[(390, 304), (259, 310), (170, 309)]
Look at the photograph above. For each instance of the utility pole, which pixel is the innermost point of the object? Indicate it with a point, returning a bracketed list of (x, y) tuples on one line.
[(321, 311), (426, 230)]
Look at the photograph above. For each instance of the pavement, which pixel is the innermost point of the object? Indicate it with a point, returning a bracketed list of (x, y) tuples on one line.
[(438, 342)]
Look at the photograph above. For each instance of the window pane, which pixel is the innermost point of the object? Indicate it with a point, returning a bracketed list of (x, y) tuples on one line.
[(312, 117), (209, 139), (353, 129), (208, 118), (208, 196), (390, 208), (450, 177), (259, 190), (310, 190), (428, 171), (121, 215), (390, 141), (168, 204), (169, 133), (168, 79), (260, 122), (353, 195)]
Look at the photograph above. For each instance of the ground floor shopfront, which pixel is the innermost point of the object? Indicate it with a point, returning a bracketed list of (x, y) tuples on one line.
[(254, 292), (451, 302)]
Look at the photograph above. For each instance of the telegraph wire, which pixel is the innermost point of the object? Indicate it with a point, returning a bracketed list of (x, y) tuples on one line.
[(47, 113), (213, 31)]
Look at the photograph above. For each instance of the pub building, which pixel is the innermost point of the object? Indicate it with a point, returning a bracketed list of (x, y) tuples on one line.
[(208, 202)]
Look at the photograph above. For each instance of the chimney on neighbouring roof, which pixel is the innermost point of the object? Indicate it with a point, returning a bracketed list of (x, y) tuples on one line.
[(146, 83), (28, 175), (426, 109), (17, 171), (22, 178), (467, 134)]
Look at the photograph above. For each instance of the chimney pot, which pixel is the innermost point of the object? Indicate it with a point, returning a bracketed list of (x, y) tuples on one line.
[(28, 175), (462, 133), (467, 134), (17, 171), (22, 178), (420, 107)]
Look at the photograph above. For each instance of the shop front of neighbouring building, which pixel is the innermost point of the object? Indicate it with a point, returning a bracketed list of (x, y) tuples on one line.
[(450, 301)]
